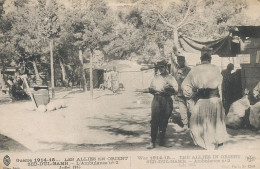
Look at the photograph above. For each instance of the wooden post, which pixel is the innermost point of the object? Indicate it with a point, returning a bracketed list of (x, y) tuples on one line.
[(29, 91), (83, 78), (142, 79), (63, 73), (36, 71), (222, 63), (52, 69), (91, 74)]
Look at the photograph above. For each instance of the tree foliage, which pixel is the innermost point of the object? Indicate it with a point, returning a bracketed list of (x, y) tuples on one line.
[(140, 29), (1, 7), (202, 20)]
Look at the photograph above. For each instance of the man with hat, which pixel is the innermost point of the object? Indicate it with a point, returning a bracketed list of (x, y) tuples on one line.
[(180, 71), (163, 86)]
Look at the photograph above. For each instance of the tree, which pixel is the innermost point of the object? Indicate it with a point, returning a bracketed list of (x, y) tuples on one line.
[(4, 26), (147, 27), (128, 41), (205, 20), (1, 7), (26, 37), (90, 28), (73, 31), (50, 28), (208, 19), (5, 39)]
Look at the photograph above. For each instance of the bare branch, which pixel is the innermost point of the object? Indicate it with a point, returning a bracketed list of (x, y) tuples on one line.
[(185, 17), (163, 17), (170, 30), (192, 23), (187, 23), (164, 20)]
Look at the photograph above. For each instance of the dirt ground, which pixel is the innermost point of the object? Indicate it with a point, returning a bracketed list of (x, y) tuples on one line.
[(106, 122)]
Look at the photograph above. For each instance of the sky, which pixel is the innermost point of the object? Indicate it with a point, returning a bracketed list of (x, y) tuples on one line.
[(253, 9)]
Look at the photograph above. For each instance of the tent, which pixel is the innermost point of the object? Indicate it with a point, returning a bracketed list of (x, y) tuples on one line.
[(121, 65), (130, 74)]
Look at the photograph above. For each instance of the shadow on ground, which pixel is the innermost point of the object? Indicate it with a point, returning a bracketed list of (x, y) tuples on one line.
[(126, 118), (8, 144), (134, 141), (241, 136)]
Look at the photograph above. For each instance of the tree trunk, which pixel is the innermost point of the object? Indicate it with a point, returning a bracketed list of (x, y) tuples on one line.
[(91, 74), (52, 69), (161, 49), (176, 51), (35, 69), (106, 57), (2, 82), (176, 42), (37, 75), (63, 72), (83, 78)]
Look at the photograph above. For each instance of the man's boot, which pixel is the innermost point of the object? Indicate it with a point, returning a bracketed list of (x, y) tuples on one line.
[(162, 140), (151, 145), (185, 127)]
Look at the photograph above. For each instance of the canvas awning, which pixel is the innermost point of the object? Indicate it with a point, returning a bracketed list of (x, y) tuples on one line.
[(224, 47), (245, 31)]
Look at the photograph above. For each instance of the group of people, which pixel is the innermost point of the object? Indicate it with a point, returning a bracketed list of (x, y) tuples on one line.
[(198, 92), (111, 81), (15, 87)]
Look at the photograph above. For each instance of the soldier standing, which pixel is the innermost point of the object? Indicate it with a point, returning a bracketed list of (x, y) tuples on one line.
[(180, 70), (227, 87), (163, 86)]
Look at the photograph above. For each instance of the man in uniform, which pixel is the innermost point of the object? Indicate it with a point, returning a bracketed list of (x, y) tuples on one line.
[(114, 80), (180, 71), (163, 86), (227, 87)]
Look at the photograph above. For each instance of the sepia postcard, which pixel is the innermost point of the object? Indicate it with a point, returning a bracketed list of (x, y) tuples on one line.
[(132, 84)]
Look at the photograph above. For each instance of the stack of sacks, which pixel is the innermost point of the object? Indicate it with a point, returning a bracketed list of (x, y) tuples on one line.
[(254, 116), (41, 109), (53, 105), (237, 111)]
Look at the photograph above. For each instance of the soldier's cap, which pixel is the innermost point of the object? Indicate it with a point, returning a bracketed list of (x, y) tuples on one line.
[(162, 63)]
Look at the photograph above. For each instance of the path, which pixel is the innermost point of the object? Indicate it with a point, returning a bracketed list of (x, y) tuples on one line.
[(108, 122)]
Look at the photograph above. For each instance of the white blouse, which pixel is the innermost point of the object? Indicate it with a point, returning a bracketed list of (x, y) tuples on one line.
[(202, 76)]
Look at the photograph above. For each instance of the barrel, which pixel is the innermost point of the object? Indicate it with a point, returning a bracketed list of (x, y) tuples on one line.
[(41, 95)]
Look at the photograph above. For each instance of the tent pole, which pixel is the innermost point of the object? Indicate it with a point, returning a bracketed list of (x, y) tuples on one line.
[(221, 63), (142, 79)]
